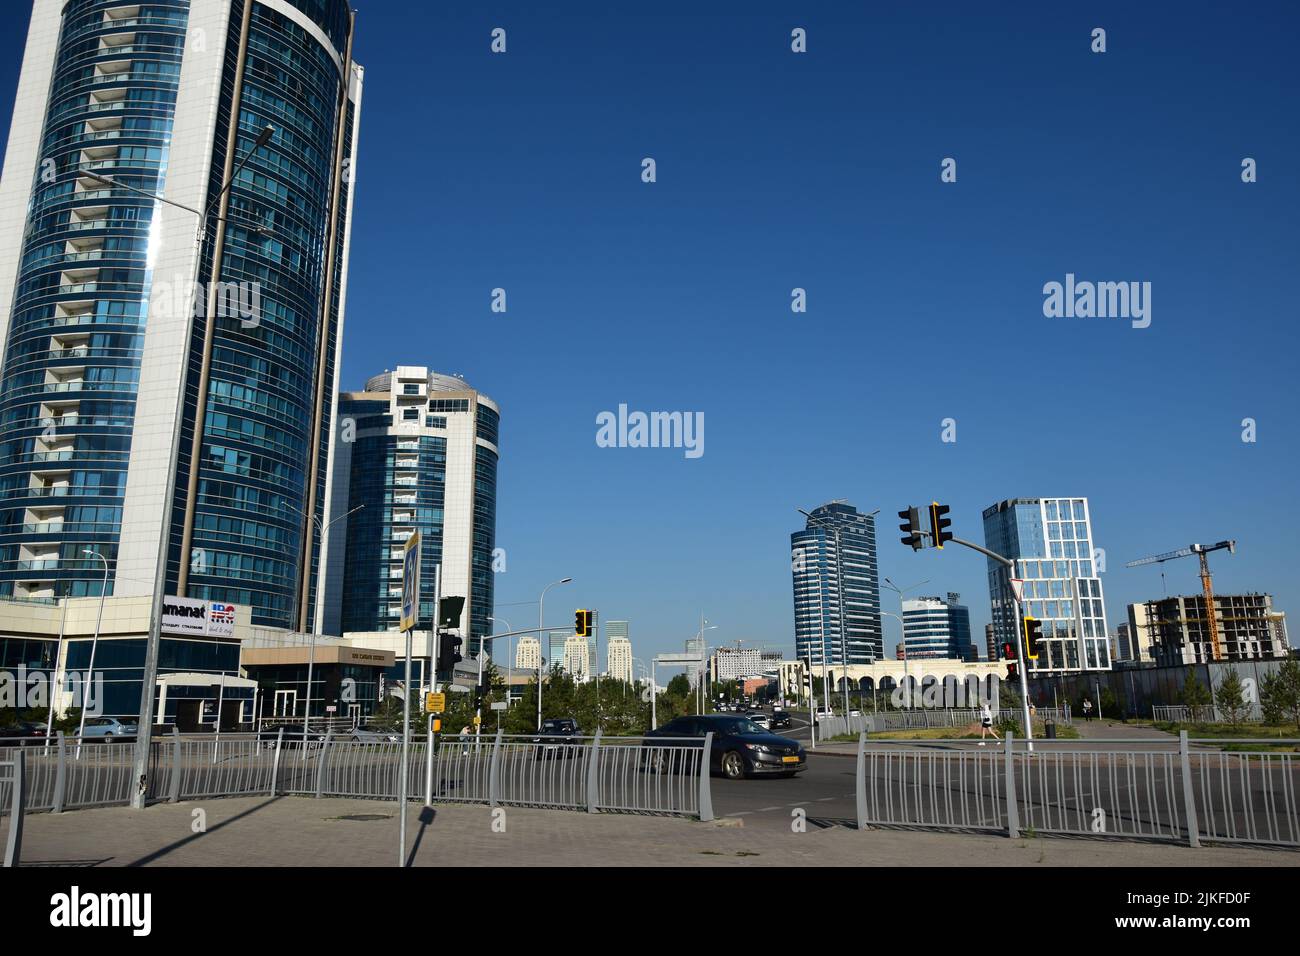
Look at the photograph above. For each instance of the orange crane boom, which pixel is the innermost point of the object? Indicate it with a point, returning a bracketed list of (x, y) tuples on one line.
[(1207, 587)]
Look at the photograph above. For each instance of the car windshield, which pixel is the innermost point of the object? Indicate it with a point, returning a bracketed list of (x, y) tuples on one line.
[(554, 725), (739, 725)]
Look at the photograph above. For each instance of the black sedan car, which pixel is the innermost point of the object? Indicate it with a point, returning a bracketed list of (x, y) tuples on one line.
[(21, 734), (740, 748), (780, 718), (558, 738)]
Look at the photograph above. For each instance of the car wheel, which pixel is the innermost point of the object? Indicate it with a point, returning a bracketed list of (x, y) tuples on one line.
[(733, 765)]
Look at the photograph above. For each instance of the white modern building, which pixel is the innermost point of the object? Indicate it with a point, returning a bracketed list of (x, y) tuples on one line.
[(618, 658), (528, 654), (577, 657), (415, 451), (737, 663)]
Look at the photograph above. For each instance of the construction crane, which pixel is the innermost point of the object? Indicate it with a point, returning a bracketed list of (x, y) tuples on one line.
[(1200, 550)]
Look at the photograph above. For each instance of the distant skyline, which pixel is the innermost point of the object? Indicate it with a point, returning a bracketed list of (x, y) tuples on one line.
[(925, 300)]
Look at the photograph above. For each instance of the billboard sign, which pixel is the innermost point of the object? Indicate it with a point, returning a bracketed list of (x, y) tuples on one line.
[(190, 617), (411, 582)]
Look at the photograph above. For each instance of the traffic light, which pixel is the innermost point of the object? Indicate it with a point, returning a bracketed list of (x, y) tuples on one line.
[(448, 652), (1013, 672), (1009, 655), (449, 609), (1033, 637), (582, 623), (912, 525), (939, 524)]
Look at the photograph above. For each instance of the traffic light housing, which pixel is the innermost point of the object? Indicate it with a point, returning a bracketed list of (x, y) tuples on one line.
[(912, 525), (1013, 672), (448, 652), (1033, 633), (582, 623), (939, 524), (1008, 651)]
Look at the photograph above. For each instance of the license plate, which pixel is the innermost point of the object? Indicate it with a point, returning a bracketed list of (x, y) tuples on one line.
[(789, 760)]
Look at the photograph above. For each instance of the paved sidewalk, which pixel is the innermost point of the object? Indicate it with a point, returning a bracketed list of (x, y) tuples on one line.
[(298, 831)]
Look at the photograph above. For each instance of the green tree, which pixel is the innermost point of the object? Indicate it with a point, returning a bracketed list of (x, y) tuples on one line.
[(1194, 693), (1229, 698), (1279, 694)]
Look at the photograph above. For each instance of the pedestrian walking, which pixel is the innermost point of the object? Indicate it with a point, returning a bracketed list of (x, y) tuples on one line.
[(986, 724), (1087, 709), (464, 739)]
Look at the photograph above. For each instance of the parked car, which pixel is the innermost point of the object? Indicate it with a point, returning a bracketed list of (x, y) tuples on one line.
[(22, 733), (740, 747), (823, 714), (780, 718), (362, 735), (855, 713), (556, 737), (761, 719), (108, 727)]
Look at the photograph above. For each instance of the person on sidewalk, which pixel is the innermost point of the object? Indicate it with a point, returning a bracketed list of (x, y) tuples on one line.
[(1087, 709), (986, 724), (465, 734)]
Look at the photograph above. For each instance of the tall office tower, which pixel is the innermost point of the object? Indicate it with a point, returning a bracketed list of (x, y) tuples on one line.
[(618, 657), (832, 573), (593, 644), (1050, 541), (991, 648), (528, 654), (577, 657), (116, 328), (934, 628), (415, 451), (555, 649)]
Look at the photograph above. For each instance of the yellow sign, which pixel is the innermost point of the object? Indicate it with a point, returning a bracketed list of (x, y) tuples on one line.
[(435, 703), (477, 720)]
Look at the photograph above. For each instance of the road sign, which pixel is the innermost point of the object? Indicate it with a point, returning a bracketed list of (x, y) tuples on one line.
[(411, 582), (477, 720), (435, 703), (1018, 589), (499, 705)]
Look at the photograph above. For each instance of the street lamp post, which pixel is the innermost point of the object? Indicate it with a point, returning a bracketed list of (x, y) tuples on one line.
[(94, 645), (144, 728), (541, 624), (311, 638)]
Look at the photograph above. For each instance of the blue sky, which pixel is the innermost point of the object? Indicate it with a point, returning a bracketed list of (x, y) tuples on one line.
[(821, 171)]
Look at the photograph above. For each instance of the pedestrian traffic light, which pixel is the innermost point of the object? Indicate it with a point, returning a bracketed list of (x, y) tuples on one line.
[(582, 623), (912, 525), (1033, 637), (939, 524), (1008, 651), (448, 652), (1013, 672)]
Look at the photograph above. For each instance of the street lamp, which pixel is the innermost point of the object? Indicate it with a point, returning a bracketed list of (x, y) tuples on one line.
[(510, 655), (541, 624), (311, 638), (94, 645), (144, 732)]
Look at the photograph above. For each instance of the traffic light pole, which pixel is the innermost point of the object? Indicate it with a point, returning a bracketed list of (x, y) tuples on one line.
[(1020, 638)]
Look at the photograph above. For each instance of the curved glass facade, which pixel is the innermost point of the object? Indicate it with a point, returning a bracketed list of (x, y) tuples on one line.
[(73, 350), (74, 345), (250, 510), (419, 453)]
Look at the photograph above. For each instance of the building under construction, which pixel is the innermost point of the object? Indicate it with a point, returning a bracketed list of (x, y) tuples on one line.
[(1248, 629)]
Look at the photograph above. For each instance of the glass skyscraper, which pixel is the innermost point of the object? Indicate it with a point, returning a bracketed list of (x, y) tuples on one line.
[(827, 579), (415, 451), (98, 280), (935, 628), (1050, 540)]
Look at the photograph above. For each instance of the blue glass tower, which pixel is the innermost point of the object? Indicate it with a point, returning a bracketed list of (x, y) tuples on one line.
[(836, 587), (122, 103)]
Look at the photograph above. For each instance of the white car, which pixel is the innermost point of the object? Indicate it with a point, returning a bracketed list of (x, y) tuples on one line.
[(761, 719), (823, 714), (855, 713)]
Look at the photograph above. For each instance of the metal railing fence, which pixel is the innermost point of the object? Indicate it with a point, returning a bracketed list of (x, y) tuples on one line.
[(1152, 789), (614, 774), (1199, 714)]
